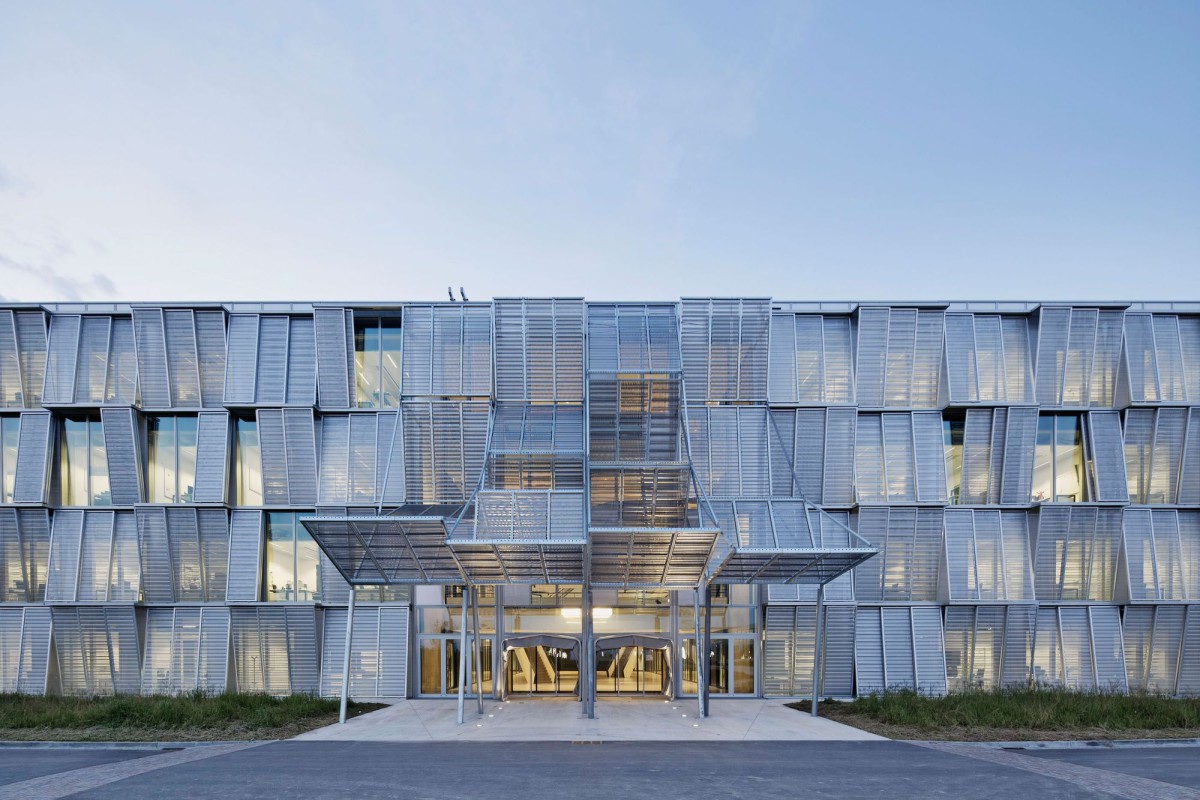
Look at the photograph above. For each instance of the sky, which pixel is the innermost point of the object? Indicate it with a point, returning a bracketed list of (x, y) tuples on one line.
[(363, 151)]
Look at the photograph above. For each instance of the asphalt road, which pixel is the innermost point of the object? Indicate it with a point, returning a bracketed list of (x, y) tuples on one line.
[(530, 771)]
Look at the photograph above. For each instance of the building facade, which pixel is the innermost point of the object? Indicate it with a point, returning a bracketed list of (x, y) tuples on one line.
[(187, 489)]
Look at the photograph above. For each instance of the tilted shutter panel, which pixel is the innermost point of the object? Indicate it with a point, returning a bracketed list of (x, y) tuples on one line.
[(158, 579), (930, 458), (1108, 652), (184, 540), (838, 654), (810, 453), (1189, 339), (1189, 654), (95, 556), (35, 651), (1189, 466), (301, 451), (92, 364), (213, 525), (929, 649), (210, 347), (245, 554), (899, 459), (960, 358), (273, 450), (212, 457), (361, 468), (868, 459), (868, 651), (61, 355), (838, 481), (183, 362), (1108, 456), (12, 394), (777, 651), (304, 670), (125, 572), (976, 457), (1020, 435), (364, 670), (124, 462), (333, 640), (270, 387), (121, 382), (391, 456), (989, 359), (393, 651), (33, 448), (1053, 327), (899, 649), (157, 658), (66, 541), (241, 362), (213, 673), (417, 342), (334, 589), (1019, 626), (873, 326), (781, 365), (335, 357), (301, 362), (31, 350), (335, 455), (150, 340)]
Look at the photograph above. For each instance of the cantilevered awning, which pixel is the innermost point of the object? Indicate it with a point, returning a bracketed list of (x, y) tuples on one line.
[(782, 540), (672, 558), (523, 536), (369, 550)]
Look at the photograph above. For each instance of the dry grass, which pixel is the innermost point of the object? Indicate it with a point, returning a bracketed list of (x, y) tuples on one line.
[(191, 718), (1018, 715)]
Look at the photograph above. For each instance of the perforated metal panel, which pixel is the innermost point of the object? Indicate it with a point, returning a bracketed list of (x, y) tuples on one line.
[(447, 350), (124, 455), (899, 458), (187, 650), (910, 550), (24, 649), (1076, 554), (335, 357), (725, 346), (97, 649), (22, 358), (378, 652), (33, 451), (788, 649), (811, 360), (245, 555), (988, 647), (539, 349), (988, 556), (275, 649), (24, 554)]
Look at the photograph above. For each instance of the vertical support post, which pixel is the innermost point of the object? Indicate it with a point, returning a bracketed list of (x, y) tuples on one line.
[(701, 655), (587, 671), (818, 642), (346, 659), (462, 655), (707, 644), (478, 648)]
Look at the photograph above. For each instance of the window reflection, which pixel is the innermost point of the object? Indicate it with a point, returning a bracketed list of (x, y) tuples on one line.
[(292, 561), (83, 464), (1059, 460), (171, 473), (952, 439), (248, 464), (377, 362), (10, 433)]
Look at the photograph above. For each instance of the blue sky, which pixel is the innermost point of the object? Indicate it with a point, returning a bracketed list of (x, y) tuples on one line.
[(616, 150)]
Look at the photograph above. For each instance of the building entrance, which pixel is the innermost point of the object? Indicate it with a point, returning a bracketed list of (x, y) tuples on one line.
[(633, 665), (541, 665)]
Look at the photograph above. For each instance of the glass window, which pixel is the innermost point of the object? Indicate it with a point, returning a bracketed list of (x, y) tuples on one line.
[(83, 464), (10, 434), (377, 362), (292, 561), (171, 474), (1059, 461), (952, 438), (248, 464)]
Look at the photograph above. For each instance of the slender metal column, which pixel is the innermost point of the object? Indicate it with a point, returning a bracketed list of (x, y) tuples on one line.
[(346, 659), (478, 648), (462, 657), (707, 644), (587, 672), (818, 671), (701, 654)]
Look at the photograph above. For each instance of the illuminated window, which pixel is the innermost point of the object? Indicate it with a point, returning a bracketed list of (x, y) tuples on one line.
[(952, 439), (377, 362), (1060, 465), (10, 434), (83, 464), (292, 560), (171, 473)]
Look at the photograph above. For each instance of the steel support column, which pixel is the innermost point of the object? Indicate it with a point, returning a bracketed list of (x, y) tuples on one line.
[(587, 672), (707, 644), (462, 656), (701, 653), (477, 649), (346, 659), (818, 672)]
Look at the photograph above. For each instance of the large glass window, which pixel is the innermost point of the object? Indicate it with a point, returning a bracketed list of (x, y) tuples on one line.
[(1060, 468), (292, 561), (10, 434), (171, 473), (377, 361), (247, 464), (83, 464), (952, 439)]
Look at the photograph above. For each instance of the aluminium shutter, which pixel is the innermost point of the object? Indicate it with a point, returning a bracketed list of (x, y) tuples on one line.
[(335, 357), (1108, 456), (301, 362), (210, 349), (183, 361), (62, 352), (33, 449), (123, 453), (270, 383), (150, 340), (241, 359), (245, 556), (212, 457), (158, 578)]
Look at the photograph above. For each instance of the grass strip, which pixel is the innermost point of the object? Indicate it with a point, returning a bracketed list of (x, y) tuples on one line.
[(1018, 715), (194, 717)]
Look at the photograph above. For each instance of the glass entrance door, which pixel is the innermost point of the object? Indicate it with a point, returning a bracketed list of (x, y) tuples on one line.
[(542, 671), (632, 671), (439, 666)]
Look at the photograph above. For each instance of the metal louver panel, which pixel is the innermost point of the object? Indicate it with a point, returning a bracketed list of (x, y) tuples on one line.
[(335, 357), (987, 359), (24, 554), (725, 348), (378, 653), (97, 649), (95, 554), (241, 362), (1189, 340), (1108, 457), (447, 350), (210, 350), (987, 556), (1078, 356), (1153, 642), (12, 393), (539, 349), (66, 540), (301, 447), (158, 582), (899, 357), (245, 556), (91, 366), (275, 649), (811, 360), (632, 338), (122, 451), (1020, 435), (988, 647), (1189, 470), (898, 648), (212, 457), (183, 361), (910, 552), (444, 448), (930, 459), (33, 448), (270, 382), (62, 352), (22, 358), (788, 648), (1162, 554), (24, 649), (273, 453), (301, 362), (187, 650), (153, 380), (213, 528), (1076, 554)]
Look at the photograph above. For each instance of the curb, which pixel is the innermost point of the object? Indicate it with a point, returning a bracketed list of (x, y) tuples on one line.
[(6, 745), (1085, 744)]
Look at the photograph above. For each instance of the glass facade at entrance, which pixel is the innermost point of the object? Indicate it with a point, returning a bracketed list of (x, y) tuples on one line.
[(188, 491)]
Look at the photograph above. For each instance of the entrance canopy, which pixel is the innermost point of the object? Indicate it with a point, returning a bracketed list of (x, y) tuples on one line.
[(541, 640), (370, 550), (633, 640)]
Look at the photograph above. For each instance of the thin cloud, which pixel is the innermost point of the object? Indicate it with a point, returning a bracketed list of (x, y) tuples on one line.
[(67, 287)]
